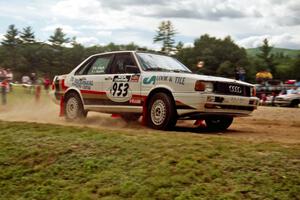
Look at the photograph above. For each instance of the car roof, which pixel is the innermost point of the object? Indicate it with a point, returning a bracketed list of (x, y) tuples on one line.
[(129, 51), (110, 52)]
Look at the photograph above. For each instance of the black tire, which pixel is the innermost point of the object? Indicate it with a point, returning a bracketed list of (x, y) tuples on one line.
[(130, 117), (218, 123), (161, 112), (294, 104), (73, 107)]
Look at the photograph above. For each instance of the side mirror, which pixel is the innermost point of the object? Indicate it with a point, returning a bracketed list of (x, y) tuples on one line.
[(131, 69)]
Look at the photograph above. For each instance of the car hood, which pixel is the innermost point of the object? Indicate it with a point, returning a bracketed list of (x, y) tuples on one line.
[(200, 77)]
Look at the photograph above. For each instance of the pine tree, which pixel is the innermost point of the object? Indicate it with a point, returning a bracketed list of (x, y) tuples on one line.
[(179, 46), (27, 35), (59, 38), (10, 44), (165, 34), (266, 56), (11, 37)]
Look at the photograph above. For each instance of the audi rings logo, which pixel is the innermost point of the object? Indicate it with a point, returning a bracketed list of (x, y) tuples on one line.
[(235, 89)]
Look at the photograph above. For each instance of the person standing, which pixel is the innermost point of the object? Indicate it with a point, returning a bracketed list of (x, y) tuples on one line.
[(237, 73), (4, 85), (33, 79), (47, 83), (10, 77), (242, 74)]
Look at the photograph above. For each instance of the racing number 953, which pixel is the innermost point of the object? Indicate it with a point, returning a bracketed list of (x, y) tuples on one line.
[(120, 89)]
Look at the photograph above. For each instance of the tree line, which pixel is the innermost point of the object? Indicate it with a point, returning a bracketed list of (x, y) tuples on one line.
[(21, 52), (222, 56)]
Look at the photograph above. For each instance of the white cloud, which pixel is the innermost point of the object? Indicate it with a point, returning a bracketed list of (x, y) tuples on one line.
[(66, 29), (91, 11), (105, 21), (284, 40), (104, 33), (1, 37), (188, 44), (88, 41)]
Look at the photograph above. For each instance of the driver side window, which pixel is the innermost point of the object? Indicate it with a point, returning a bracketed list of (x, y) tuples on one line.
[(120, 62)]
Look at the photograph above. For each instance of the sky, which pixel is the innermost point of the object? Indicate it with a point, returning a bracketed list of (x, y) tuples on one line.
[(100, 22)]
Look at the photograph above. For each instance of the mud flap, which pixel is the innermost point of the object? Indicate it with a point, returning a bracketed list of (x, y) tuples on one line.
[(115, 115), (62, 104), (200, 123), (144, 115)]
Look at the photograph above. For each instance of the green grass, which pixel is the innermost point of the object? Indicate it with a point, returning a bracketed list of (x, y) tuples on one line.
[(41, 161), (20, 96)]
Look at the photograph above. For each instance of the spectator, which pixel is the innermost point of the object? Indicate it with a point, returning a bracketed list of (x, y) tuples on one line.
[(4, 86), (237, 73), (242, 74), (33, 78), (273, 98), (47, 83), (25, 79), (9, 75)]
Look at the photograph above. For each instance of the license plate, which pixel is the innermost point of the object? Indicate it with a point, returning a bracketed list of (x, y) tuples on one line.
[(236, 100)]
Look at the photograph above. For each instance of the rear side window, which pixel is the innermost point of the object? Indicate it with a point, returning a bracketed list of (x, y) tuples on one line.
[(84, 67), (100, 65), (97, 65)]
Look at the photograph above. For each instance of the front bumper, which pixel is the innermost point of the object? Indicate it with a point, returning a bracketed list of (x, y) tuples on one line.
[(215, 104), (230, 105), (282, 102)]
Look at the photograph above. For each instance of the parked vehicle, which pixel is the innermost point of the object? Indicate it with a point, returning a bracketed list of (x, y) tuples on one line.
[(290, 98)]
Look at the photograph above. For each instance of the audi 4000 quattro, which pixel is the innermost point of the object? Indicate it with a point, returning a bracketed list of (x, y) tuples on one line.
[(157, 87)]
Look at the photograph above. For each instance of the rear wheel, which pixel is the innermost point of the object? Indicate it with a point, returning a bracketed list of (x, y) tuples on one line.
[(73, 107), (218, 123), (161, 113)]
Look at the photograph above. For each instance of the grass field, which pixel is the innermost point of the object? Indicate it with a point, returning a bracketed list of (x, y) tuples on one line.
[(43, 161)]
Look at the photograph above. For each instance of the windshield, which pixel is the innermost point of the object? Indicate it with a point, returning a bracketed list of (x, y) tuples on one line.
[(154, 62)]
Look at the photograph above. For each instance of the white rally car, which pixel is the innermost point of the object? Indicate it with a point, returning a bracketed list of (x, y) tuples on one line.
[(157, 87)]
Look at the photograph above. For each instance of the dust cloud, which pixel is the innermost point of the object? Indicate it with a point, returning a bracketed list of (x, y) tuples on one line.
[(46, 111)]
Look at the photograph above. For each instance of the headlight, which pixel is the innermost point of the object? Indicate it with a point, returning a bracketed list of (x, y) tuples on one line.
[(204, 86)]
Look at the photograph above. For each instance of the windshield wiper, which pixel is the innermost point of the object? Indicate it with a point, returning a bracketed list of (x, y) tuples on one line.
[(160, 69), (156, 69), (180, 70)]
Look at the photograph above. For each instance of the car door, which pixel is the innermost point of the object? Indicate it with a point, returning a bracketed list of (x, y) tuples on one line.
[(89, 79), (122, 85)]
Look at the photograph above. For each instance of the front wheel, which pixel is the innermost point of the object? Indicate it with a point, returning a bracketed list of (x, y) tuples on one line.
[(161, 113), (218, 123), (73, 107)]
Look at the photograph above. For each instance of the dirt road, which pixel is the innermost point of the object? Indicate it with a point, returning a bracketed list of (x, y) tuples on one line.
[(266, 124)]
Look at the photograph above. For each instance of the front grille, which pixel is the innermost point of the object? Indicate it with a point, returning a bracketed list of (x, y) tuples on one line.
[(232, 89)]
